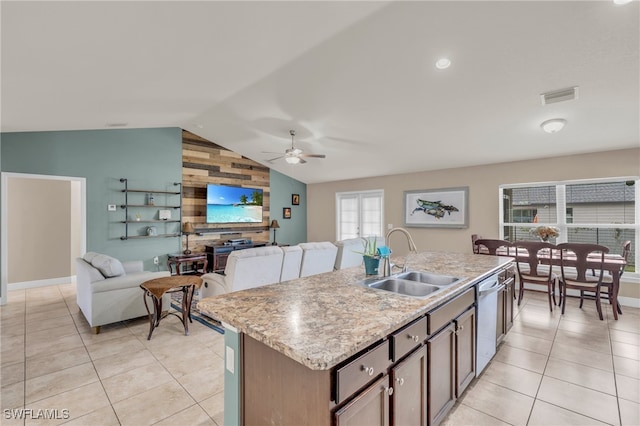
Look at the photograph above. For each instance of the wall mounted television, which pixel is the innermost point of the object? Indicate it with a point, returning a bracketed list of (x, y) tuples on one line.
[(233, 204)]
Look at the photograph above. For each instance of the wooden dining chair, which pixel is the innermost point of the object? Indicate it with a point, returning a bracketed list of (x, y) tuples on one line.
[(608, 286), (494, 247), (531, 269), (576, 259)]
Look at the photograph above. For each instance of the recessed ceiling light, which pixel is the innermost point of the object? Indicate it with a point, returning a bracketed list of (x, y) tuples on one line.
[(199, 126), (443, 63), (554, 125), (621, 2)]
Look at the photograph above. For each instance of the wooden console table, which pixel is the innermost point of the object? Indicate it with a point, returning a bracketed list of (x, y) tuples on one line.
[(195, 258), (217, 254)]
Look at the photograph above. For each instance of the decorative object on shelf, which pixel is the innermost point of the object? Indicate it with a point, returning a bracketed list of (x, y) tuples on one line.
[(545, 232), (187, 229), (150, 200), (286, 212), (164, 214), (274, 225), (437, 208), (138, 217), (152, 231), (295, 199)]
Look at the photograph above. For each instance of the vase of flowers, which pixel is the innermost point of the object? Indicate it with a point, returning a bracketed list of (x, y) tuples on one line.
[(545, 232)]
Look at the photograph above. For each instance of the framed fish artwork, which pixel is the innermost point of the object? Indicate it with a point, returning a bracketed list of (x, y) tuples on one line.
[(437, 208)]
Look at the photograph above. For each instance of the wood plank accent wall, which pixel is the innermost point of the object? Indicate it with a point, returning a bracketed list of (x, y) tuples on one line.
[(205, 162)]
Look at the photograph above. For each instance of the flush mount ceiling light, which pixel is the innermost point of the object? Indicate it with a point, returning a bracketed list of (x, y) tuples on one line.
[(621, 2), (554, 125), (443, 63)]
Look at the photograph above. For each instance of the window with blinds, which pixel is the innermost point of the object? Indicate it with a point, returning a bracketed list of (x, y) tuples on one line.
[(590, 211), (359, 214)]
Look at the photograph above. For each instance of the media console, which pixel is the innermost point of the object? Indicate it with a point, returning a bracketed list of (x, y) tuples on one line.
[(217, 254)]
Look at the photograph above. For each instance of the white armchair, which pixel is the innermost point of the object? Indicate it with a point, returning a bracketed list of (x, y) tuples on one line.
[(317, 258), (245, 269), (349, 252), (109, 291)]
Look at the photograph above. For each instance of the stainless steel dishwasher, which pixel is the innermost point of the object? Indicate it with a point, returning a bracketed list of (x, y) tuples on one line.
[(487, 321)]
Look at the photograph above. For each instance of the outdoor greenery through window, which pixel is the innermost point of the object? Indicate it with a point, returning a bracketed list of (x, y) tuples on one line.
[(590, 211)]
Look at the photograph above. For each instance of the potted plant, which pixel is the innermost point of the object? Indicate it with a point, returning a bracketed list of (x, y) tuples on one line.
[(370, 256)]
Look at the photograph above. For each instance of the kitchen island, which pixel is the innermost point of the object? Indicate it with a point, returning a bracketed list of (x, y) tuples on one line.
[(287, 343)]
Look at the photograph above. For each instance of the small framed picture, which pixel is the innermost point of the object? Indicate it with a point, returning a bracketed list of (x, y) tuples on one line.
[(295, 199), (286, 212)]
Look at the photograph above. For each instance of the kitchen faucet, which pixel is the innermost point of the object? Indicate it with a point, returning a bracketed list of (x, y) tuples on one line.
[(386, 262)]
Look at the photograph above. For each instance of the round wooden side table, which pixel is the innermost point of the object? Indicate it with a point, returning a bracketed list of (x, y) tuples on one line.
[(157, 288)]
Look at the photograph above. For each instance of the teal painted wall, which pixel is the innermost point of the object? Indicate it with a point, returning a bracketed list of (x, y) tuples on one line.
[(148, 158), (292, 231)]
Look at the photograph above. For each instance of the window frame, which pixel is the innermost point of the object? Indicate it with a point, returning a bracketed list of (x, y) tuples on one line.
[(360, 195), (561, 212)]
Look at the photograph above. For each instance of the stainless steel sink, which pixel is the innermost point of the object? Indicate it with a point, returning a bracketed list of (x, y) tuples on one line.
[(406, 287), (414, 283), (429, 278)]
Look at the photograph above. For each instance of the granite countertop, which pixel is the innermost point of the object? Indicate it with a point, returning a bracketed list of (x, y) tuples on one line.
[(322, 320)]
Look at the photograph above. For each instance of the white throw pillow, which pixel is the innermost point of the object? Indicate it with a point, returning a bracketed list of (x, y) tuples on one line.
[(107, 265), (88, 256)]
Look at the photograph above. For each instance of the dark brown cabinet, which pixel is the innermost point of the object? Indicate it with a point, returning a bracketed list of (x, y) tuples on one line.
[(409, 380), (465, 326), (451, 354), (505, 303), (217, 255), (441, 388), (370, 408)]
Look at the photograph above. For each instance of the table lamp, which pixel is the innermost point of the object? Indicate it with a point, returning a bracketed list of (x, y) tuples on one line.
[(187, 228), (274, 225)]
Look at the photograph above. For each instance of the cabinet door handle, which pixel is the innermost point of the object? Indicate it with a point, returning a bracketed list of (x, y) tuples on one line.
[(414, 338), (460, 328), (388, 391), (400, 380), (368, 370)]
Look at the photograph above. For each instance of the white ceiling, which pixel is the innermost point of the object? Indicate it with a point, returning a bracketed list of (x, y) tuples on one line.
[(355, 79)]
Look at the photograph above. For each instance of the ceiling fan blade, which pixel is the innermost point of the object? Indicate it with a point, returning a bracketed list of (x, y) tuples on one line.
[(313, 155), (271, 152), (301, 161), (274, 159)]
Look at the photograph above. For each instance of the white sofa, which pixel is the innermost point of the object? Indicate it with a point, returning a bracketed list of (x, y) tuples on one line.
[(291, 263), (245, 269), (116, 296), (349, 252), (260, 266), (317, 258)]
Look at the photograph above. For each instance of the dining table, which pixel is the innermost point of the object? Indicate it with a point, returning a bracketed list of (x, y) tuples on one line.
[(613, 264)]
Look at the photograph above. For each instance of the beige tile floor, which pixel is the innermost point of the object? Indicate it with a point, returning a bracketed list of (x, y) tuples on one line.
[(551, 369)]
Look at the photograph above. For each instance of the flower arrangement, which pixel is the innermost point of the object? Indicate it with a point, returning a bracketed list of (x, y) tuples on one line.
[(545, 232)]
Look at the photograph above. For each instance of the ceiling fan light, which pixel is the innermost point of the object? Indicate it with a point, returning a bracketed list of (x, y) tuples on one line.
[(292, 159), (554, 125)]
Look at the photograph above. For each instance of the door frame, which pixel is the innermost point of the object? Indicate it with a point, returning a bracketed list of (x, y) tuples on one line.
[(4, 220)]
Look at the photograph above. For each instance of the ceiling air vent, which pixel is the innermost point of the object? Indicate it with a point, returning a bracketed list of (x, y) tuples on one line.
[(567, 94)]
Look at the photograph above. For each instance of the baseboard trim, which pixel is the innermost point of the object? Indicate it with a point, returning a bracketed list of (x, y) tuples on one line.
[(629, 301), (40, 283)]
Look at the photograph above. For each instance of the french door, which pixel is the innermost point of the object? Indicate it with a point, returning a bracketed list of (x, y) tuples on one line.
[(359, 214)]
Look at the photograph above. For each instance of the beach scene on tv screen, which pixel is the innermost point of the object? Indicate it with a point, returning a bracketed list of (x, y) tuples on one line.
[(231, 204)]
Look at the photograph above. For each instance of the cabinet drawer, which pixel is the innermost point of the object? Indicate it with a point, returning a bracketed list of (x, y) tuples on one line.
[(407, 338), (439, 317), (362, 370)]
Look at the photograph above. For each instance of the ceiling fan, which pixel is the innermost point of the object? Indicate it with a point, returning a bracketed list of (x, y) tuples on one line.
[(294, 155)]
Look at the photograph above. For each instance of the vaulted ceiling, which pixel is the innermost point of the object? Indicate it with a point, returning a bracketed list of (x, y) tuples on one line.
[(356, 80)]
